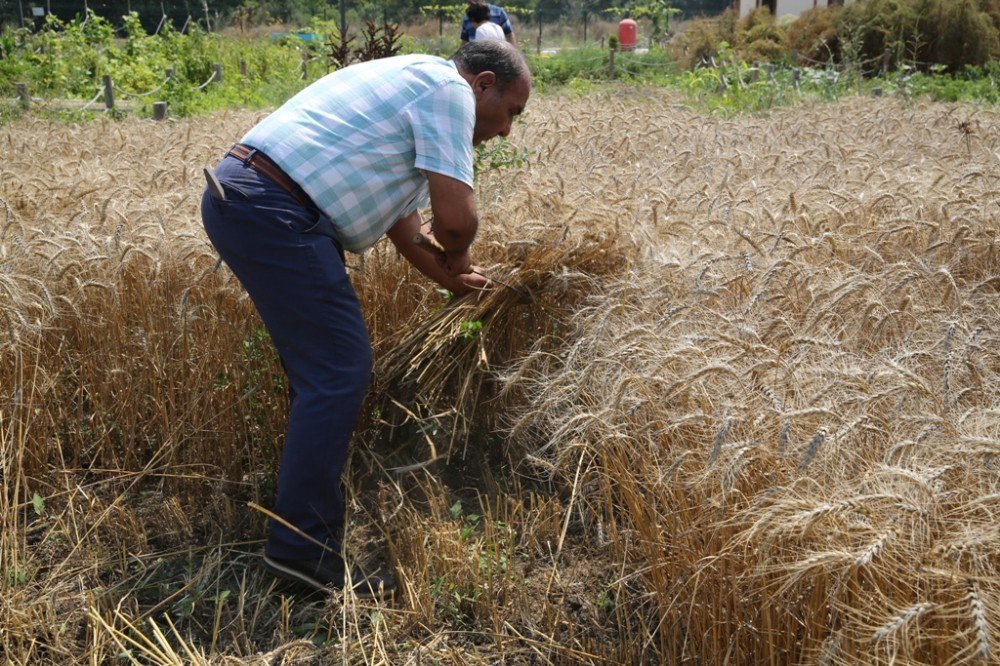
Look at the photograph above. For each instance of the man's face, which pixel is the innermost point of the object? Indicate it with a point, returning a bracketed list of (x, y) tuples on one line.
[(496, 109)]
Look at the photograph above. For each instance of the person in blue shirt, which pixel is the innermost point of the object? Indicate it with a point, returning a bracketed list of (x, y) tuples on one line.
[(497, 15), (349, 160), (485, 28)]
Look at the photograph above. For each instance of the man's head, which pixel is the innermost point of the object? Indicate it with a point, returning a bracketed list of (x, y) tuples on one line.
[(478, 13), (501, 82)]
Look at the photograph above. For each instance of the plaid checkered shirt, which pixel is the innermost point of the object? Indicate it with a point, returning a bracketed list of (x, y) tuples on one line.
[(358, 140)]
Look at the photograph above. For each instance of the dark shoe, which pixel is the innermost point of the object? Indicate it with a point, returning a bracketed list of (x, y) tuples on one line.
[(327, 574)]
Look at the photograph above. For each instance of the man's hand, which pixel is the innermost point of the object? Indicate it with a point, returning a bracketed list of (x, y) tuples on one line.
[(456, 263), (468, 282), (450, 270)]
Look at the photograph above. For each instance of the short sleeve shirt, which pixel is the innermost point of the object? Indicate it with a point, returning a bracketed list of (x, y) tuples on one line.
[(497, 15), (360, 140)]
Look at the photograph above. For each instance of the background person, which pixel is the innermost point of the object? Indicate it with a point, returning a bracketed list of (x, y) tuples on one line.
[(484, 27), (351, 158), (496, 15)]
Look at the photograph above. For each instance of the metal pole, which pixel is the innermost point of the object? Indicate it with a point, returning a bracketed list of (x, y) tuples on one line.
[(20, 12), (109, 92), (343, 21), (539, 46), (22, 94)]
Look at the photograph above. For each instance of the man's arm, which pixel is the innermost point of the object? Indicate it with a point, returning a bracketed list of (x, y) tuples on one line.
[(507, 27), (401, 234), (455, 221)]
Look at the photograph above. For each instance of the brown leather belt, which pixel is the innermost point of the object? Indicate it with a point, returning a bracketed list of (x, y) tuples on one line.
[(262, 164)]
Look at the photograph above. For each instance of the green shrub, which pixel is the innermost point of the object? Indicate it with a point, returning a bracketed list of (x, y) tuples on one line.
[(866, 29), (702, 37), (69, 60), (992, 9), (959, 33), (814, 34), (763, 31), (760, 38), (764, 49), (591, 64), (953, 33), (760, 17)]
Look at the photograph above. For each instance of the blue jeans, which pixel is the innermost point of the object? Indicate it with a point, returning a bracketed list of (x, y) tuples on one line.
[(288, 259)]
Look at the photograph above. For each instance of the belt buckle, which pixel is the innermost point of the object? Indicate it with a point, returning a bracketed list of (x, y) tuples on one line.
[(243, 152)]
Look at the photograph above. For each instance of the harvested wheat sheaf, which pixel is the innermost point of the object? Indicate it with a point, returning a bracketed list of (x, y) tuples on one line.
[(761, 362)]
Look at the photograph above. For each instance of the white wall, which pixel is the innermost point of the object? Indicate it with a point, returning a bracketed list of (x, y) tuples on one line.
[(785, 7), (796, 7)]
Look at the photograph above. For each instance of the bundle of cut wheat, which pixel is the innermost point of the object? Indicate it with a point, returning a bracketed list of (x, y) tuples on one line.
[(439, 369)]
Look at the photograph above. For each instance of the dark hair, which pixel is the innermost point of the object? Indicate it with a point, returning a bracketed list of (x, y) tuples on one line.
[(492, 55), (478, 13)]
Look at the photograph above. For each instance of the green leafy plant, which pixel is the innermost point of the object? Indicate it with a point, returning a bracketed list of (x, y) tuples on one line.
[(499, 154), (38, 504), (470, 329)]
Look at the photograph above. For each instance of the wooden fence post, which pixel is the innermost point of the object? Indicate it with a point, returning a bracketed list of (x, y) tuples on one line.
[(170, 72), (885, 61), (22, 94), (243, 67), (109, 92), (611, 62), (217, 73), (159, 110)]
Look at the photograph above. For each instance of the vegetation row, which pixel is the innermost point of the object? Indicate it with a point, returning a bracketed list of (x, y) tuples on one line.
[(909, 47), (951, 33)]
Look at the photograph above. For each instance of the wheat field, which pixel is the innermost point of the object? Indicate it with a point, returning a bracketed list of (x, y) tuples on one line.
[(749, 411)]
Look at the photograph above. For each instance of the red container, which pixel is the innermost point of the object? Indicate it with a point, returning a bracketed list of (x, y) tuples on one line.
[(627, 31)]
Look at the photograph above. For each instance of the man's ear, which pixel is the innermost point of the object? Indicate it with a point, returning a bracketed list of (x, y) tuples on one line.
[(484, 81)]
